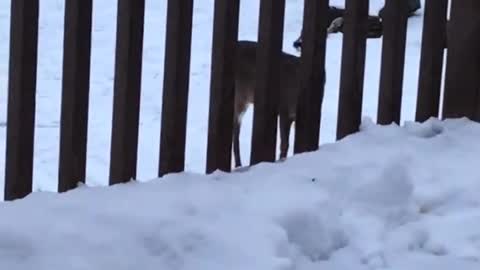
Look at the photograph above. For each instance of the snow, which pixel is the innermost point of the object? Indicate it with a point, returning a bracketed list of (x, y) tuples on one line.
[(385, 198)]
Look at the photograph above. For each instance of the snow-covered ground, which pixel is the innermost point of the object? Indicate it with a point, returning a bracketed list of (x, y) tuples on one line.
[(104, 25), (386, 198)]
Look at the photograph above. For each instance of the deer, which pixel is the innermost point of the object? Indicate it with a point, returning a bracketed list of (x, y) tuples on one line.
[(290, 81), (335, 20), (245, 84)]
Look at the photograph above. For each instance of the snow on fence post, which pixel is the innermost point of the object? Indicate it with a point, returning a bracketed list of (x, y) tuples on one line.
[(175, 86), (309, 107), (431, 61), (222, 92), (270, 39), (393, 61), (462, 80), (127, 83), (75, 91), (353, 67), (21, 98)]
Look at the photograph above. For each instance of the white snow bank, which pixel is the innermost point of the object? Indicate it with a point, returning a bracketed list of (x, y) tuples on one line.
[(385, 198)]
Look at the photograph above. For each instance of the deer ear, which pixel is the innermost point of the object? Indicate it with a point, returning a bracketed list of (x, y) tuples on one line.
[(336, 25)]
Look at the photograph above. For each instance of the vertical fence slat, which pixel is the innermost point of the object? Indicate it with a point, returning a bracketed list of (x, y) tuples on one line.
[(21, 98), (127, 84), (353, 67), (270, 39), (431, 59), (75, 84), (393, 61), (222, 92), (462, 79), (307, 124), (474, 44), (175, 86)]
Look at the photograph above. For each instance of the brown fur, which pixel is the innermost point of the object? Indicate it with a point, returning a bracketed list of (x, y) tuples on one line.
[(245, 75)]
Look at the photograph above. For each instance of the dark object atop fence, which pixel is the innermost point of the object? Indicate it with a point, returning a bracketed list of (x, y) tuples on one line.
[(412, 7)]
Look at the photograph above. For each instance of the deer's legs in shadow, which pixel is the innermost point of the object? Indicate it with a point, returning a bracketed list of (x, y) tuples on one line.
[(285, 124)]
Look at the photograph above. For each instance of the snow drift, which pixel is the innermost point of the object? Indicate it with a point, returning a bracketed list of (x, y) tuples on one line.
[(386, 198)]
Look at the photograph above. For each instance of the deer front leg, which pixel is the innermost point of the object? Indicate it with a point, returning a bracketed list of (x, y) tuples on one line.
[(285, 124), (236, 143)]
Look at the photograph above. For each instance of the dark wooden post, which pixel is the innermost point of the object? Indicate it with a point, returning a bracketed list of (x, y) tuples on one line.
[(75, 84), (353, 67), (21, 98), (431, 60), (175, 86), (393, 61), (462, 80), (270, 39), (309, 108), (127, 83), (222, 92)]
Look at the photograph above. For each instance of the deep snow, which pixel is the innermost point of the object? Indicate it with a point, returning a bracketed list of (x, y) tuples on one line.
[(385, 198)]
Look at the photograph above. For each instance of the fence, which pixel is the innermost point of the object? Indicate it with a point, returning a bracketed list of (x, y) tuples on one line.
[(461, 97)]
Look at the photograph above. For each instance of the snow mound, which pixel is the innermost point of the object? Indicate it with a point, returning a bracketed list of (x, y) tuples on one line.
[(386, 198)]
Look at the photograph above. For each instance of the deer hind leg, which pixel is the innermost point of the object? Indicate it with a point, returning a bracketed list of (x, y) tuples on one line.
[(236, 142), (237, 122), (285, 124)]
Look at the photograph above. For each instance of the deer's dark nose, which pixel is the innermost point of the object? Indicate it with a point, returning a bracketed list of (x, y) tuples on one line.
[(297, 44)]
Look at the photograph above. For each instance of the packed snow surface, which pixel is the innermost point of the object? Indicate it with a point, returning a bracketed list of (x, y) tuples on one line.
[(386, 198)]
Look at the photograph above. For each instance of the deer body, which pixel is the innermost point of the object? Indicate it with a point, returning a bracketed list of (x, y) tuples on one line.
[(245, 84)]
